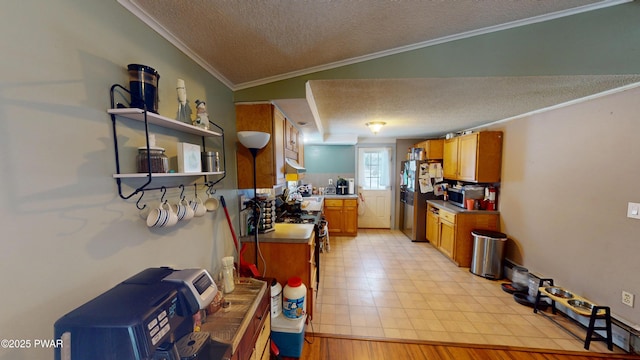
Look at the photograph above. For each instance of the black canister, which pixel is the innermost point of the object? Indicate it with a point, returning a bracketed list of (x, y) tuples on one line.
[(143, 83)]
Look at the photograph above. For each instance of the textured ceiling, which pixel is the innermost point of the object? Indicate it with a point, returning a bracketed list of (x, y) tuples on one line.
[(248, 43), (423, 108)]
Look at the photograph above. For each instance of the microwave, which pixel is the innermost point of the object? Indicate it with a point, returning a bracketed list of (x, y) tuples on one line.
[(458, 196)]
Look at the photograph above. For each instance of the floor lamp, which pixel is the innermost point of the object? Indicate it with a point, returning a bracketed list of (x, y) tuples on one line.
[(254, 141)]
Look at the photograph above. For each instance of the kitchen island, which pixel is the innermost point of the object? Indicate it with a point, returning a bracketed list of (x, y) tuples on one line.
[(289, 250)]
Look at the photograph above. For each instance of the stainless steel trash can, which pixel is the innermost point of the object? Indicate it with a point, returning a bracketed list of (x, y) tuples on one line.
[(488, 252)]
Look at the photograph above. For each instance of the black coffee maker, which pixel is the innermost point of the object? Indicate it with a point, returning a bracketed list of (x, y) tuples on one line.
[(342, 187), (145, 317)]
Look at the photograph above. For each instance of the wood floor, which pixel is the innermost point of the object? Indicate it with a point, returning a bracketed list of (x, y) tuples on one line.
[(328, 347)]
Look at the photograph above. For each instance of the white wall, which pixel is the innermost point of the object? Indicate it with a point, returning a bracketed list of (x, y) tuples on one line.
[(66, 234), (567, 176)]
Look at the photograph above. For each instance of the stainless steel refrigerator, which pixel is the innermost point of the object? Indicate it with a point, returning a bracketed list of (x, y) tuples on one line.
[(413, 201)]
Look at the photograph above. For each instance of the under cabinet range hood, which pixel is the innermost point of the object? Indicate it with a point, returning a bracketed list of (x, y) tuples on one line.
[(293, 171), (292, 167)]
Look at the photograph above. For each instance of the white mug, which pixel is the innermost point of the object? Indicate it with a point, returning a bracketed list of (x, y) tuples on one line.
[(173, 217), (189, 210), (180, 210), (211, 204), (198, 207), (158, 217)]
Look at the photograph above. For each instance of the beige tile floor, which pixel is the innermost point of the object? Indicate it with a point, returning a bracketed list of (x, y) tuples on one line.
[(379, 284)]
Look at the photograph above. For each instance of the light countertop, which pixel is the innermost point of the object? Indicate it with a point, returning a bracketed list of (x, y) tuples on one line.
[(447, 206), (351, 196), (316, 202), (284, 232), (228, 326)]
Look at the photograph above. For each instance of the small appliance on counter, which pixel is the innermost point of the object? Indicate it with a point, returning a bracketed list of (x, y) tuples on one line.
[(352, 185), (342, 187), (330, 189), (459, 195), (146, 316)]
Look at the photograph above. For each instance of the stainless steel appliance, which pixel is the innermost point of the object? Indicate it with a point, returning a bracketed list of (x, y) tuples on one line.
[(458, 196), (413, 204), (145, 317)]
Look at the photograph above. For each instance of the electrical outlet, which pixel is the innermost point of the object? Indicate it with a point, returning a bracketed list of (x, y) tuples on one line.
[(633, 210), (627, 298)]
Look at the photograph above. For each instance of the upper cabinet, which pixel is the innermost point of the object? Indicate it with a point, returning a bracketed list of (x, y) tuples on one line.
[(290, 141), (475, 157), (270, 165), (433, 149)]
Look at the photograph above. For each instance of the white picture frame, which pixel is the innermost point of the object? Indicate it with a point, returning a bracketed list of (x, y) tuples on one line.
[(189, 158)]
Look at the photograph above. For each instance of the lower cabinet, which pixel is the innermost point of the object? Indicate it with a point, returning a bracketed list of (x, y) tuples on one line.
[(447, 238), (287, 259), (342, 216), (451, 232), (255, 341), (433, 228), (262, 350)]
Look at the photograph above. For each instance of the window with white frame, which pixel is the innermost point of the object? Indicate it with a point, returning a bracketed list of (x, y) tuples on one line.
[(373, 168)]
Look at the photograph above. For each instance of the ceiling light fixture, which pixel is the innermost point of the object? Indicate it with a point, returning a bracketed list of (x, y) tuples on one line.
[(375, 126)]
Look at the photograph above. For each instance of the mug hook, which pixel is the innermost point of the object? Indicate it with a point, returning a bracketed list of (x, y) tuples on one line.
[(164, 192), (138, 202)]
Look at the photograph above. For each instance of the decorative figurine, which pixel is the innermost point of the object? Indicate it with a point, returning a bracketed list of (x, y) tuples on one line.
[(202, 118), (184, 110)]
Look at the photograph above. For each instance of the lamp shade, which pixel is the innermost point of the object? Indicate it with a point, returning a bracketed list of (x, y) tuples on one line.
[(253, 139)]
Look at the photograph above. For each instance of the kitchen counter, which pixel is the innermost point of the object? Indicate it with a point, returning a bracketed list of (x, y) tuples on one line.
[(285, 233), (316, 202), (312, 203), (229, 326), (445, 205), (350, 196)]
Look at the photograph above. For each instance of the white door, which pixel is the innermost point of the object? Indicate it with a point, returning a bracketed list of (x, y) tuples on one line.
[(374, 188), (374, 209)]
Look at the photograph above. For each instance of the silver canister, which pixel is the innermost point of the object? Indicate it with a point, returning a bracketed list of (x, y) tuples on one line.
[(210, 161)]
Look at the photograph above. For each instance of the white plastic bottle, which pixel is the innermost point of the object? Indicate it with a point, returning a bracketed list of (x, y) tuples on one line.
[(227, 272), (276, 298), (293, 302)]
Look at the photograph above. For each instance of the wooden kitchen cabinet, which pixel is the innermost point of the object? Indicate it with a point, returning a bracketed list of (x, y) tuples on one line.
[(447, 237), (288, 259), (450, 159), (433, 228), (341, 216), (247, 324), (433, 149), (255, 342), (475, 157), (267, 118), (453, 231), (291, 141)]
